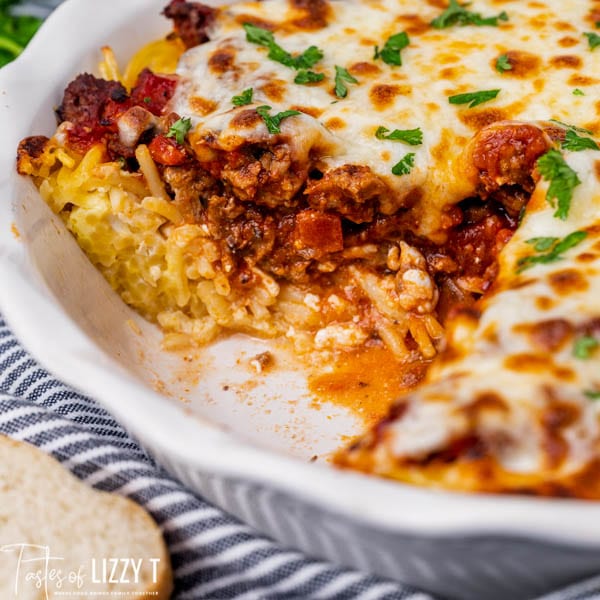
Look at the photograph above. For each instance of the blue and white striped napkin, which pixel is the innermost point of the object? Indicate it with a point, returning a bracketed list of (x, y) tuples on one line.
[(213, 554)]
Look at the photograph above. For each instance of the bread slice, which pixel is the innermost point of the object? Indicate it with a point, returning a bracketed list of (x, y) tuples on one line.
[(61, 539)]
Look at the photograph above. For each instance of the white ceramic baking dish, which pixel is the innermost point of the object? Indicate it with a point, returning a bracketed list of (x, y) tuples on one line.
[(247, 448)]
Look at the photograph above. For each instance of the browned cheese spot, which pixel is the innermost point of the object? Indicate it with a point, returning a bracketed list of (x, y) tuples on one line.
[(274, 90), (566, 61), (246, 119), (568, 281), (577, 80), (222, 60), (313, 111), (597, 169), (587, 257), (557, 416), (524, 64), (478, 119), (413, 24), (568, 42), (313, 14), (487, 402), (383, 96), (257, 21), (545, 303), (364, 69), (202, 106), (335, 123), (550, 335), (564, 26)]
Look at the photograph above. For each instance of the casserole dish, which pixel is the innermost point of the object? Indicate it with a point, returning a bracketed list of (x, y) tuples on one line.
[(247, 447)]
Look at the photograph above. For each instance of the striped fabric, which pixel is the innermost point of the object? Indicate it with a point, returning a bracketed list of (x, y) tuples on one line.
[(213, 555)]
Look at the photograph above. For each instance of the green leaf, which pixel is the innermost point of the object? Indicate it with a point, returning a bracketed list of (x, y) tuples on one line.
[(578, 92), (390, 53), (576, 143), (258, 35), (309, 58), (15, 32), (563, 180), (404, 167), (456, 14), (305, 77), (263, 37), (592, 394), (503, 64), (541, 244), (549, 249), (273, 121), (473, 98), (413, 137), (179, 129), (244, 98), (585, 346), (573, 127), (342, 75), (593, 40)]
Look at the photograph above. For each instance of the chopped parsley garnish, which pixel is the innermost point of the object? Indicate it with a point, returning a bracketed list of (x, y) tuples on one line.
[(244, 98), (179, 129), (273, 121), (404, 166), (263, 37), (549, 249), (390, 53), (147, 100), (304, 76), (593, 40), (563, 180), (592, 394), (576, 143), (413, 137), (474, 98), (503, 64), (585, 346), (456, 14), (573, 127), (15, 31), (341, 76), (578, 92)]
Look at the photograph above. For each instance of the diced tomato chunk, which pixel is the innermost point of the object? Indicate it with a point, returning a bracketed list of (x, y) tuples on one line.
[(166, 151), (318, 232), (153, 92), (111, 111)]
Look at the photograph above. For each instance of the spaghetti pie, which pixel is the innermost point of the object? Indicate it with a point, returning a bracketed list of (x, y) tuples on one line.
[(419, 176)]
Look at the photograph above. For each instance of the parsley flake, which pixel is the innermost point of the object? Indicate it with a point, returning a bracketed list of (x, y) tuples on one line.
[(563, 180), (503, 64), (456, 14), (549, 250), (573, 127), (585, 346), (578, 92), (413, 137), (592, 394), (179, 129), (390, 53), (576, 143), (593, 40), (263, 37), (304, 76), (404, 166), (342, 75), (244, 98), (273, 121), (473, 98)]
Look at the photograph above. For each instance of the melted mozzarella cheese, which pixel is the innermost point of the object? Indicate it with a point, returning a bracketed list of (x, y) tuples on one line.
[(545, 41)]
